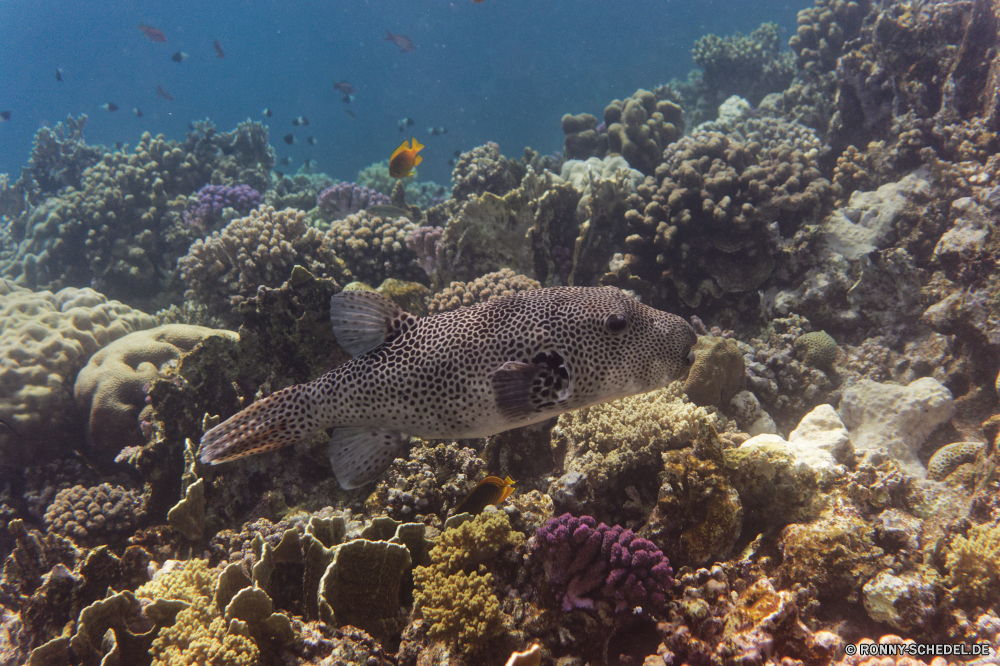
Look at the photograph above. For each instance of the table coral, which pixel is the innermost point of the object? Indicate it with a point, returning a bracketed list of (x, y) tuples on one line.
[(45, 340), (454, 593), (226, 268), (586, 562), (110, 387)]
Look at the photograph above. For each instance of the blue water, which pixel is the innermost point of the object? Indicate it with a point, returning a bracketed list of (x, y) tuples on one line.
[(502, 70)]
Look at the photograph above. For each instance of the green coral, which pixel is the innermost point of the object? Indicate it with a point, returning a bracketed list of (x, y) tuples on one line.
[(454, 594), (817, 349), (973, 562)]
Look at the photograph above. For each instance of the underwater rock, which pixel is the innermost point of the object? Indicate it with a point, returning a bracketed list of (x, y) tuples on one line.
[(745, 408), (906, 601), (895, 418)]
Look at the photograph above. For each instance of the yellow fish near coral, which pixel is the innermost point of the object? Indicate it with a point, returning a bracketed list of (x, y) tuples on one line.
[(404, 159)]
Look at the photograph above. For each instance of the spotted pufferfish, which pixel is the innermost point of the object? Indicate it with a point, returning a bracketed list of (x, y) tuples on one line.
[(471, 372)]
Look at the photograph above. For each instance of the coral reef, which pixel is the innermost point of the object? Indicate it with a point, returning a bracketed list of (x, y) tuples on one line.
[(90, 516), (226, 268), (586, 563), (641, 127), (483, 169), (45, 340), (481, 290), (212, 200), (749, 66), (374, 248), (454, 594), (110, 387), (583, 141), (712, 222), (343, 199)]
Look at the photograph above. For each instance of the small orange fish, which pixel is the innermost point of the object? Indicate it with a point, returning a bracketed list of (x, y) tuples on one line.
[(404, 159), (491, 490)]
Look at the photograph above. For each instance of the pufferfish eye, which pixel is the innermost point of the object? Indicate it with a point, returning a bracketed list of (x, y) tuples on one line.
[(616, 323)]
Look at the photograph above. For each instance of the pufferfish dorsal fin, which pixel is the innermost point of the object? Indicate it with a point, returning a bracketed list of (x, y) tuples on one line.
[(360, 455), (525, 388), (362, 320)]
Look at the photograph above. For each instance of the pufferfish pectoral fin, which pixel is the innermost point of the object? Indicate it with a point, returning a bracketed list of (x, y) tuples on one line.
[(521, 389), (362, 320), (360, 455)]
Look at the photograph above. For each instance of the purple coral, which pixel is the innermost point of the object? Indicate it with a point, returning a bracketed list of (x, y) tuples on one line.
[(585, 562), (213, 199), (426, 243), (345, 199)]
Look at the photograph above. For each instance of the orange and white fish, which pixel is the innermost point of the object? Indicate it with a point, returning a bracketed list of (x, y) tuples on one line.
[(404, 159)]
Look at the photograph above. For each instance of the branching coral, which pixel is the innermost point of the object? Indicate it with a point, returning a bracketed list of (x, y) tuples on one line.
[(455, 592), (749, 66), (486, 288), (96, 514), (973, 562), (585, 562), (483, 169), (339, 201), (224, 269), (641, 127), (374, 248)]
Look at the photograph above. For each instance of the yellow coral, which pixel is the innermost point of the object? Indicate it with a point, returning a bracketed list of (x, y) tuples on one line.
[(973, 562), (181, 581), (200, 637), (455, 593), (658, 420)]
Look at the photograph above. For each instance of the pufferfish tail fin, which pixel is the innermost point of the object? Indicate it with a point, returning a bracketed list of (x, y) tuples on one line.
[(282, 418)]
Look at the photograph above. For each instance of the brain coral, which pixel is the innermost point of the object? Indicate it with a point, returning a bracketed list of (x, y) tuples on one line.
[(96, 514), (492, 285), (111, 387), (817, 349), (224, 269), (44, 341)]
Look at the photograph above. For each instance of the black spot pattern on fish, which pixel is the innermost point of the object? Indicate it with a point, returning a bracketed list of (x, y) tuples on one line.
[(433, 377)]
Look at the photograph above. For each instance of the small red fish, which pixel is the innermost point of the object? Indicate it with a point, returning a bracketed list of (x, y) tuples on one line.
[(402, 41), (219, 53), (154, 34), (404, 159), (163, 94)]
